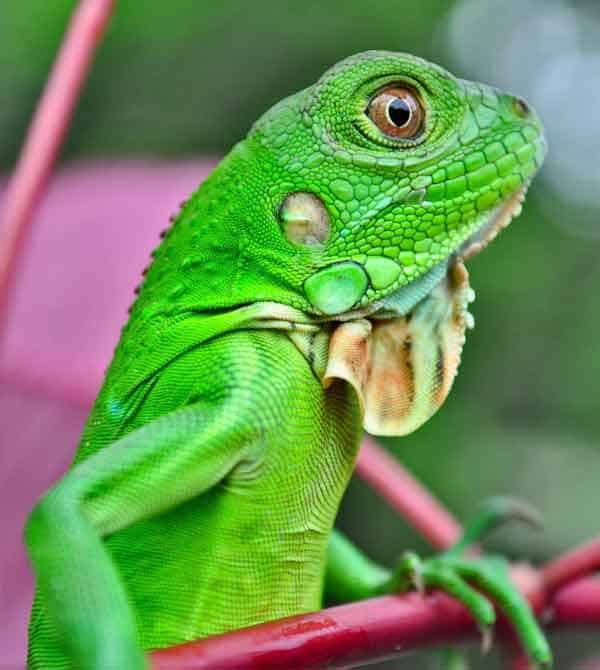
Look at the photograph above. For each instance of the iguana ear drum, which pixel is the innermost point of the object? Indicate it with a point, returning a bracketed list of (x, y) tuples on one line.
[(304, 220)]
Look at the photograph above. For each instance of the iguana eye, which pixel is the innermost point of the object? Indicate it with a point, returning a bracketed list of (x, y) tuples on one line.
[(397, 112)]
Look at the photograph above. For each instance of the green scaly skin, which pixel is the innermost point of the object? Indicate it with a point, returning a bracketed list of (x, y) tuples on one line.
[(210, 471)]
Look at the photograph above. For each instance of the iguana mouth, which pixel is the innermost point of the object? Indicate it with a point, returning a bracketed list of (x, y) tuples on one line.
[(499, 219), (403, 299)]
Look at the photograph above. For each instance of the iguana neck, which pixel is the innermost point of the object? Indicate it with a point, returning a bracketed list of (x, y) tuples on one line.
[(217, 255)]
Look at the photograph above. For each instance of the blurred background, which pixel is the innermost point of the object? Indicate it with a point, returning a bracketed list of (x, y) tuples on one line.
[(175, 83)]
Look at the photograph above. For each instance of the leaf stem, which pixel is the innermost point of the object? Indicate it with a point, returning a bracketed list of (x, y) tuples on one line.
[(46, 133)]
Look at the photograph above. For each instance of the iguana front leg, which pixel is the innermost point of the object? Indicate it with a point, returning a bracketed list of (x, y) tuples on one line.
[(205, 519), (154, 468)]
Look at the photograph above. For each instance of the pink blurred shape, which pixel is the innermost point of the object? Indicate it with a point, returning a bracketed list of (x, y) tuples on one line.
[(49, 125)]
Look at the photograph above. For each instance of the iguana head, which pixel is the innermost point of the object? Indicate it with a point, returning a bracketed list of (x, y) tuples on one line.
[(349, 208), (388, 166), (392, 172)]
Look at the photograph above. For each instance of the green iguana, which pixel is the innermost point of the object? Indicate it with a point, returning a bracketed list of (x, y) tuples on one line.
[(313, 286)]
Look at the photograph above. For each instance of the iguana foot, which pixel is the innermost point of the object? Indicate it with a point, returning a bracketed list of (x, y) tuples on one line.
[(476, 581)]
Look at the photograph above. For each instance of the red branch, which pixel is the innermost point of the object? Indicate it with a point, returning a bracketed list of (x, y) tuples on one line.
[(46, 133), (578, 603), (340, 637), (352, 635), (576, 563)]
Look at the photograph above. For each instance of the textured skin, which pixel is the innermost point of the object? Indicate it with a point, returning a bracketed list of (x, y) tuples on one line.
[(212, 465), (265, 525)]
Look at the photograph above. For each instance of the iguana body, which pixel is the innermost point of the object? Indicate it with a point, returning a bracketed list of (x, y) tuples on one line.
[(312, 285)]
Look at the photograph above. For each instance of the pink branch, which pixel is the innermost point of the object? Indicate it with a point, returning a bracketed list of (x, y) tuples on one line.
[(406, 495), (577, 604), (576, 563), (346, 637), (352, 635), (46, 133)]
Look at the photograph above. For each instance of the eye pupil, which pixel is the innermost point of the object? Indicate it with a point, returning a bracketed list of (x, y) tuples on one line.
[(398, 112)]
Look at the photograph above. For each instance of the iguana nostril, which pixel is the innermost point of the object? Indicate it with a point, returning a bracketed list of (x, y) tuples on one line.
[(521, 108)]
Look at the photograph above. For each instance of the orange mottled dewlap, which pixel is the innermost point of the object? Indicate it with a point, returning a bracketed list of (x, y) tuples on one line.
[(402, 369)]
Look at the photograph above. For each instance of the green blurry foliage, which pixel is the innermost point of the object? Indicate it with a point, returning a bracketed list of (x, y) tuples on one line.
[(188, 77)]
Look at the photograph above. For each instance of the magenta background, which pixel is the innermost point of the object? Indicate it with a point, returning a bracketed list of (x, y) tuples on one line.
[(91, 238)]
